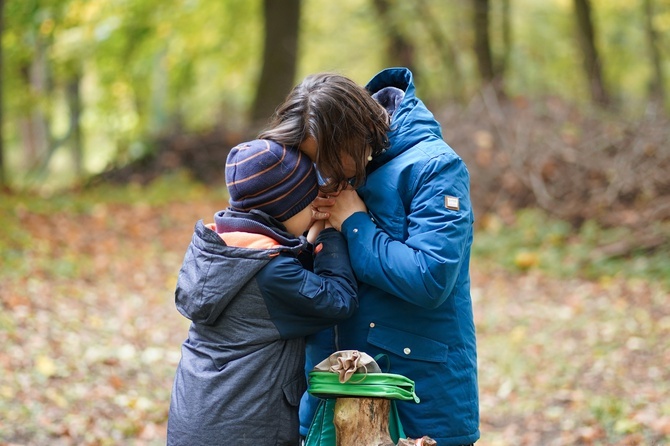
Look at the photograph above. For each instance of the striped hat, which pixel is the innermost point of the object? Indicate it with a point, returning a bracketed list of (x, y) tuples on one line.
[(276, 179)]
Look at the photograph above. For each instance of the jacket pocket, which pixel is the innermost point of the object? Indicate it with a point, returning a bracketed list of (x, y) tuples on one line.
[(408, 345), (294, 389)]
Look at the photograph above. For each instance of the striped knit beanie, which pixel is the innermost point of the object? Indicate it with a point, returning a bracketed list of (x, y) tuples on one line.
[(278, 180)]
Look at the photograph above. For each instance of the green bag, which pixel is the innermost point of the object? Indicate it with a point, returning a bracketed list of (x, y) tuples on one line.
[(322, 430), (326, 385)]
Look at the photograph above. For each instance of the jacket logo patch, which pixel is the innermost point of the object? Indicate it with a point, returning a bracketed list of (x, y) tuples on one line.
[(451, 203)]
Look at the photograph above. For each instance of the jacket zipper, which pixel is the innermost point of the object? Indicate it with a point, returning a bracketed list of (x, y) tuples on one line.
[(336, 335)]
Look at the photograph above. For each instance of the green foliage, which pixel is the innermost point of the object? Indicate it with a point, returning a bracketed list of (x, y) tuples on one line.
[(542, 50), (340, 36), (177, 187), (536, 241), (146, 65), (150, 67)]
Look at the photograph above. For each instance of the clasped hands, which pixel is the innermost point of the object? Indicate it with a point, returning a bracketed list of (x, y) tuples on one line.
[(331, 210)]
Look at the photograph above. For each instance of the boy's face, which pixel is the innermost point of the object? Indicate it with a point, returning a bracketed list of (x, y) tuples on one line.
[(300, 222)]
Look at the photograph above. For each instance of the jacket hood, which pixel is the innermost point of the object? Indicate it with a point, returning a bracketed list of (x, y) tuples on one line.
[(213, 273), (411, 121), (256, 222)]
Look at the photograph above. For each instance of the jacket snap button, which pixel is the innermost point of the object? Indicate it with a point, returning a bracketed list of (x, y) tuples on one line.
[(407, 350), (355, 231), (372, 325)]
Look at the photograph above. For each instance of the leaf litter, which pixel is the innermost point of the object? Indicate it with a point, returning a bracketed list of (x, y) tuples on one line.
[(91, 337)]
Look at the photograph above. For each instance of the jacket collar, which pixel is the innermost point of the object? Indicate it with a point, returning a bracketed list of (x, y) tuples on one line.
[(257, 222), (411, 121)]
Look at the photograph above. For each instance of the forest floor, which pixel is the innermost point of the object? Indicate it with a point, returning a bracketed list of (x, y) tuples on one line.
[(91, 337)]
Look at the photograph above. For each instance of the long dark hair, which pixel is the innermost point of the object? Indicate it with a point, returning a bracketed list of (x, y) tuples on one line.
[(342, 118)]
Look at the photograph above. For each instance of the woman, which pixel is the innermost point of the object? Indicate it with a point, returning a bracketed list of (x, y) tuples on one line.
[(403, 205)]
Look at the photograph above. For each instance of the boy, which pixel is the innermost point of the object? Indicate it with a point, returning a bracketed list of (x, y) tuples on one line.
[(247, 286)]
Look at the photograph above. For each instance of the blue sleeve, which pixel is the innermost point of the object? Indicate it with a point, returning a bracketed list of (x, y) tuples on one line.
[(302, 302), (422, 269)]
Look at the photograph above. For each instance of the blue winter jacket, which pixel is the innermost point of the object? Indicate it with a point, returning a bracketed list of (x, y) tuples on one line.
[(250, 292), (411, 255)]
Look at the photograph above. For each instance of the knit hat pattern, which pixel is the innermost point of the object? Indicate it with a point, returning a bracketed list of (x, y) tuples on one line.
[(276, 179)]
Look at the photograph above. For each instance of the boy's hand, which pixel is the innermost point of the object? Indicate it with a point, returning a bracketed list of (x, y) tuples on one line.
[(315, 229)]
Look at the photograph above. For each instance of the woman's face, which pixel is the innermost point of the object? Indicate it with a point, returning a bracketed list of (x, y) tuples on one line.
[(310, 148)]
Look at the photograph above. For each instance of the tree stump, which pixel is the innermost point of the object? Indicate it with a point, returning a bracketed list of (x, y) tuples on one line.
[(362, 422)]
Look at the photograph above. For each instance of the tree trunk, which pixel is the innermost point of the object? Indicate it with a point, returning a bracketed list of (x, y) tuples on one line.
[(74, 104), (280, 54), (592, 66), (488, 71), (3, 180), (444, 47), (399, 49), (362, 422), (506, 26), (656, 87), (34, 125), (483, 41)]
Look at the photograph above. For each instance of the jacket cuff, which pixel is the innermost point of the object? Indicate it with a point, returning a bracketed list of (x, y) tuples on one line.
[(331, 241), (359, 224)]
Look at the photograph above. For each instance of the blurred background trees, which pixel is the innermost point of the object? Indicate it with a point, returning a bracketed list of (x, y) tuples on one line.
[(280, 57), (558, 104)]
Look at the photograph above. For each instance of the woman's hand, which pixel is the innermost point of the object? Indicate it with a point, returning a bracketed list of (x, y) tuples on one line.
[(324, 202), (347, 203)]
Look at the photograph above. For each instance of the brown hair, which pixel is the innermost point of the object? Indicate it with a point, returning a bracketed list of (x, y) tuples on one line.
[(342, 118)]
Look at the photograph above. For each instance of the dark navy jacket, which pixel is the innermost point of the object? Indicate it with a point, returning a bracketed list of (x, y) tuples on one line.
[(411, 255), (251, 302)]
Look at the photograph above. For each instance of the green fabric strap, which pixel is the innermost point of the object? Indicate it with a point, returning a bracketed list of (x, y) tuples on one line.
[(375, 385)]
